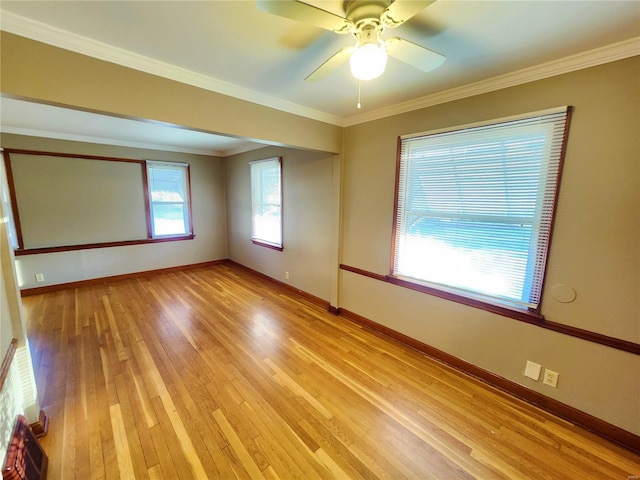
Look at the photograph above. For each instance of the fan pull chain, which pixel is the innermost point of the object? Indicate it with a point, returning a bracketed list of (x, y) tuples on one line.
[(359, 83)]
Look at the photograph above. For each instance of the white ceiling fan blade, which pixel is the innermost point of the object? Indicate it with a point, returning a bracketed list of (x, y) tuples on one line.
[(306, 13), (412, 54), (402, 10), (330, 65)]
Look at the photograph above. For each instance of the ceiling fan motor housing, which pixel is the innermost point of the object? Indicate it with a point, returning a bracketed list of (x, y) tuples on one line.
[(365, 11)]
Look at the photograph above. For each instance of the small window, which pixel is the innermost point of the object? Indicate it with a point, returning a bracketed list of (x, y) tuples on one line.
[(475, 206), (266, 202), (169, 199)]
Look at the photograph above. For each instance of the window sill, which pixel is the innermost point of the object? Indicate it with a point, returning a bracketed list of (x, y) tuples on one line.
[(522, 315), (268, 245)]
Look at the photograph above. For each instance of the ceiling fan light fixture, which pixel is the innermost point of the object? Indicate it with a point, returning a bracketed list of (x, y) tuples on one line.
[(368, 61)]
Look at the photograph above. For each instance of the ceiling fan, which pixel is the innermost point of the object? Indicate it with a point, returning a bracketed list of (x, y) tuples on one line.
[(366, 20)]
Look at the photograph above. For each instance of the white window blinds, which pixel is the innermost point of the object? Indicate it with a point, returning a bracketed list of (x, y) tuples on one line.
[(266, 201), (475, 207), (169, 195)]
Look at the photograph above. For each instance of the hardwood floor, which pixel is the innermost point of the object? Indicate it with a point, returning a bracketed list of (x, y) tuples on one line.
[(216, 373)]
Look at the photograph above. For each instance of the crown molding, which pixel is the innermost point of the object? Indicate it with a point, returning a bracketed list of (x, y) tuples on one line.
[(31, 132), (57, 37), (44, 33), (590, 58)]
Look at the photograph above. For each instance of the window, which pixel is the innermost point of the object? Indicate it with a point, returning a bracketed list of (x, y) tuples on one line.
[(95, 201), (474, 209), (7, 209), (169, 199), (266, 202)]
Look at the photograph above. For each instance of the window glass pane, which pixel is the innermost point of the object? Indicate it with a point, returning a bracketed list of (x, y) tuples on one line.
[(7, 209), (169, 195), (266, 201), (490, 258), (267, 223), (474, 208), (169, 219), (270, 184), (167, 185)]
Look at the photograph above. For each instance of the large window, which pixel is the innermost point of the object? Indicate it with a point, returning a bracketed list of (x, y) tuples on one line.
[(475, 206), (266, 202), (169, 199)]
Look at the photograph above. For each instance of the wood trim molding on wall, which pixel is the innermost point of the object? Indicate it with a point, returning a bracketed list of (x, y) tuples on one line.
[(600, 427), (593, 424), (86, 246), (312, 298), (359, 271), (115, 278), (267, 245), (12, 197), (539, 321), (6, 152)]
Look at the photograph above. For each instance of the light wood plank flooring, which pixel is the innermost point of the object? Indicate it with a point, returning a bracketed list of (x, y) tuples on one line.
[(216, 373)]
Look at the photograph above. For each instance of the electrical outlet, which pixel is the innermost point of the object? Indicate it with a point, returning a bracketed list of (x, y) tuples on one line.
[(550, 378), (532, 370), (39, 277), (286, 275)]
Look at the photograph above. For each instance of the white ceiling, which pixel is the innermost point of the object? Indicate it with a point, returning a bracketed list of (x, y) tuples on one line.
[(233, 48)]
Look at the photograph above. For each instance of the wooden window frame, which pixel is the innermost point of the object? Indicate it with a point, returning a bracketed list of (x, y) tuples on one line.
[(20, 251), (260, 241), (149, 164), (532, 315)]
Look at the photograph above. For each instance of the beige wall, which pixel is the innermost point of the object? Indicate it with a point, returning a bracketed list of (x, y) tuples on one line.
[(18, 395), (48, 74), (307, 189), (10, 308), (595, 247), (59, 206), (209, 221)]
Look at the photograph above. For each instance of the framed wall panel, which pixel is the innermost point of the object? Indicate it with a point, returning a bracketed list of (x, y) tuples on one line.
[(66, 200)]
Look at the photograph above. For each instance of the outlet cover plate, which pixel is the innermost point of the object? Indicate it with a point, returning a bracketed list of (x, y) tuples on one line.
[(532, 370), (550, 378)]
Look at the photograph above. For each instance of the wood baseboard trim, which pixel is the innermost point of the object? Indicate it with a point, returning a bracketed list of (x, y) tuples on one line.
[(584, 420), (115, 278), (307, 296), (531, 319), (40, 428), (595, 425)]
